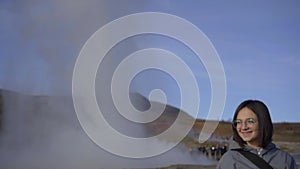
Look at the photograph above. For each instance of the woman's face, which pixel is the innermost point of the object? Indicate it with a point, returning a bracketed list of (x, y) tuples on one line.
[(247, 127)]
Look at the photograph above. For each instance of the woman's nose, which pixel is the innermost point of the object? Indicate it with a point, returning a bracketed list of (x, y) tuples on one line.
[(244, 125)]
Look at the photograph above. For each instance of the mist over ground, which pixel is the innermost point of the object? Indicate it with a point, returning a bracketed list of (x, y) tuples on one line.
[(42, 132)]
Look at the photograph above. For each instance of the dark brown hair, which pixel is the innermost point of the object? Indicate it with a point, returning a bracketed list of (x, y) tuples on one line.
[(264, 122)]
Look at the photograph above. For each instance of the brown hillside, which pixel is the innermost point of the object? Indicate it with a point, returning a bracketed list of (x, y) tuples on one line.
[(285, 134)]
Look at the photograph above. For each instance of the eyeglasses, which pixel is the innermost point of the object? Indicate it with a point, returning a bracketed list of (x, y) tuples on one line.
[(249, 122)]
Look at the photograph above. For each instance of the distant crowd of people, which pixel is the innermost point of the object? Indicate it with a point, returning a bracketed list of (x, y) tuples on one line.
[(213, 152)]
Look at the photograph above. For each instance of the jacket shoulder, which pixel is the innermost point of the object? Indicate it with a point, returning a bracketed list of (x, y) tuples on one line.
[(278, 157), (287, 158), (227, 161)]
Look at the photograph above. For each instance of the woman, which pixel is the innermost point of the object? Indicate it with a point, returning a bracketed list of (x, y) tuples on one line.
[(252, 132)]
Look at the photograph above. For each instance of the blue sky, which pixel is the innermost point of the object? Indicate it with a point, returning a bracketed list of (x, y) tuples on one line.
[(257, 42)]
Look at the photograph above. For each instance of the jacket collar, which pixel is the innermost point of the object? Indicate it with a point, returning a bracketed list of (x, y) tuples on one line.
[(234, 145)]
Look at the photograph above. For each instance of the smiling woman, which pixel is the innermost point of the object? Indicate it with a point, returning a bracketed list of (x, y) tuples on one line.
[(252, 145), (248, 128)]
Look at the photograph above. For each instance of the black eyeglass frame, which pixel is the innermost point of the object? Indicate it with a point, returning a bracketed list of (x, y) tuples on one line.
[(248, 122)]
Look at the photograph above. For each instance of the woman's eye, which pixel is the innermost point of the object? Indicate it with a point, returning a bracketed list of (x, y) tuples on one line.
[(237, 122), (250, 120)]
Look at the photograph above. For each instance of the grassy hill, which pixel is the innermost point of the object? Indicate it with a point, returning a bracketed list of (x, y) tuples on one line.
[(286, 135)]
